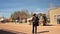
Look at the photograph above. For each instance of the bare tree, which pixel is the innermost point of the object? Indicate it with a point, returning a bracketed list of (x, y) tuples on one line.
[(23, 14)]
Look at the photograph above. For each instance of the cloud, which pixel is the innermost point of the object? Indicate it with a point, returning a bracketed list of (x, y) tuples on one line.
[(41, 10)]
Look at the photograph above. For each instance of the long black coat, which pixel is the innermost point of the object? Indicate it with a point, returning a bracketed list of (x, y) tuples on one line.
[(45, 19), (35, 21)]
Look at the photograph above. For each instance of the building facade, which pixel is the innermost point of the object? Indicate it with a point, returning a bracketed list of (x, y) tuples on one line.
[(54, 15)]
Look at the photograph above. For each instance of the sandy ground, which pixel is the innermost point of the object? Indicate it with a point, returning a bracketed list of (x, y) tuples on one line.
[(27, 29)]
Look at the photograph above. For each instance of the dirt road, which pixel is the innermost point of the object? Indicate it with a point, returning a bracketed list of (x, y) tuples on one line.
[(27, 29)]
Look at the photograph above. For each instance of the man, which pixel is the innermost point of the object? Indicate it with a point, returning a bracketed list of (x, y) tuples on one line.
[(35, 21), (44, 20)]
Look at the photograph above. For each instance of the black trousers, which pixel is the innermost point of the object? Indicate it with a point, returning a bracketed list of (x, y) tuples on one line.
[(34, 29), (44, 23)]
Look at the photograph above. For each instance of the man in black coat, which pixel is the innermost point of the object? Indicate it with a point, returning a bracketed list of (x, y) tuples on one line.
[(35, 21), (45, 20)]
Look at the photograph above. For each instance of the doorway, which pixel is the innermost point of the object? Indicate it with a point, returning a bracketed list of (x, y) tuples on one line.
[(57, 19)]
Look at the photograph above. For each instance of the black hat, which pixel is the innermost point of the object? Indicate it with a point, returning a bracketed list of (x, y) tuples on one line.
[(34, 14)]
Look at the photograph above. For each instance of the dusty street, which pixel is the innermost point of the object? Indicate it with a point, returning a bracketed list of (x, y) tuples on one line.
[(27, 29)]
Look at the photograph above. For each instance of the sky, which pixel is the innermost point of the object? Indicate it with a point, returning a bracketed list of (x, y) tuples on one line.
[(7, 7)]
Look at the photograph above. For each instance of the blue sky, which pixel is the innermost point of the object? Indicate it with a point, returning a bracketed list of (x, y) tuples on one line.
[(7, 7)]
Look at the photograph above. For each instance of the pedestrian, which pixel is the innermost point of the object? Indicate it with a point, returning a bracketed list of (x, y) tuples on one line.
[(44, 20), (35, 23)]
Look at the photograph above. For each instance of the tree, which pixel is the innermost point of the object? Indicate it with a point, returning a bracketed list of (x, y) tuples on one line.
[(20, 15), (40, 14)]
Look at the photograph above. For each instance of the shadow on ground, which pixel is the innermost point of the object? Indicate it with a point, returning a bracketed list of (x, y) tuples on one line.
[(8, 32), (49, 25), (42, 32)]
